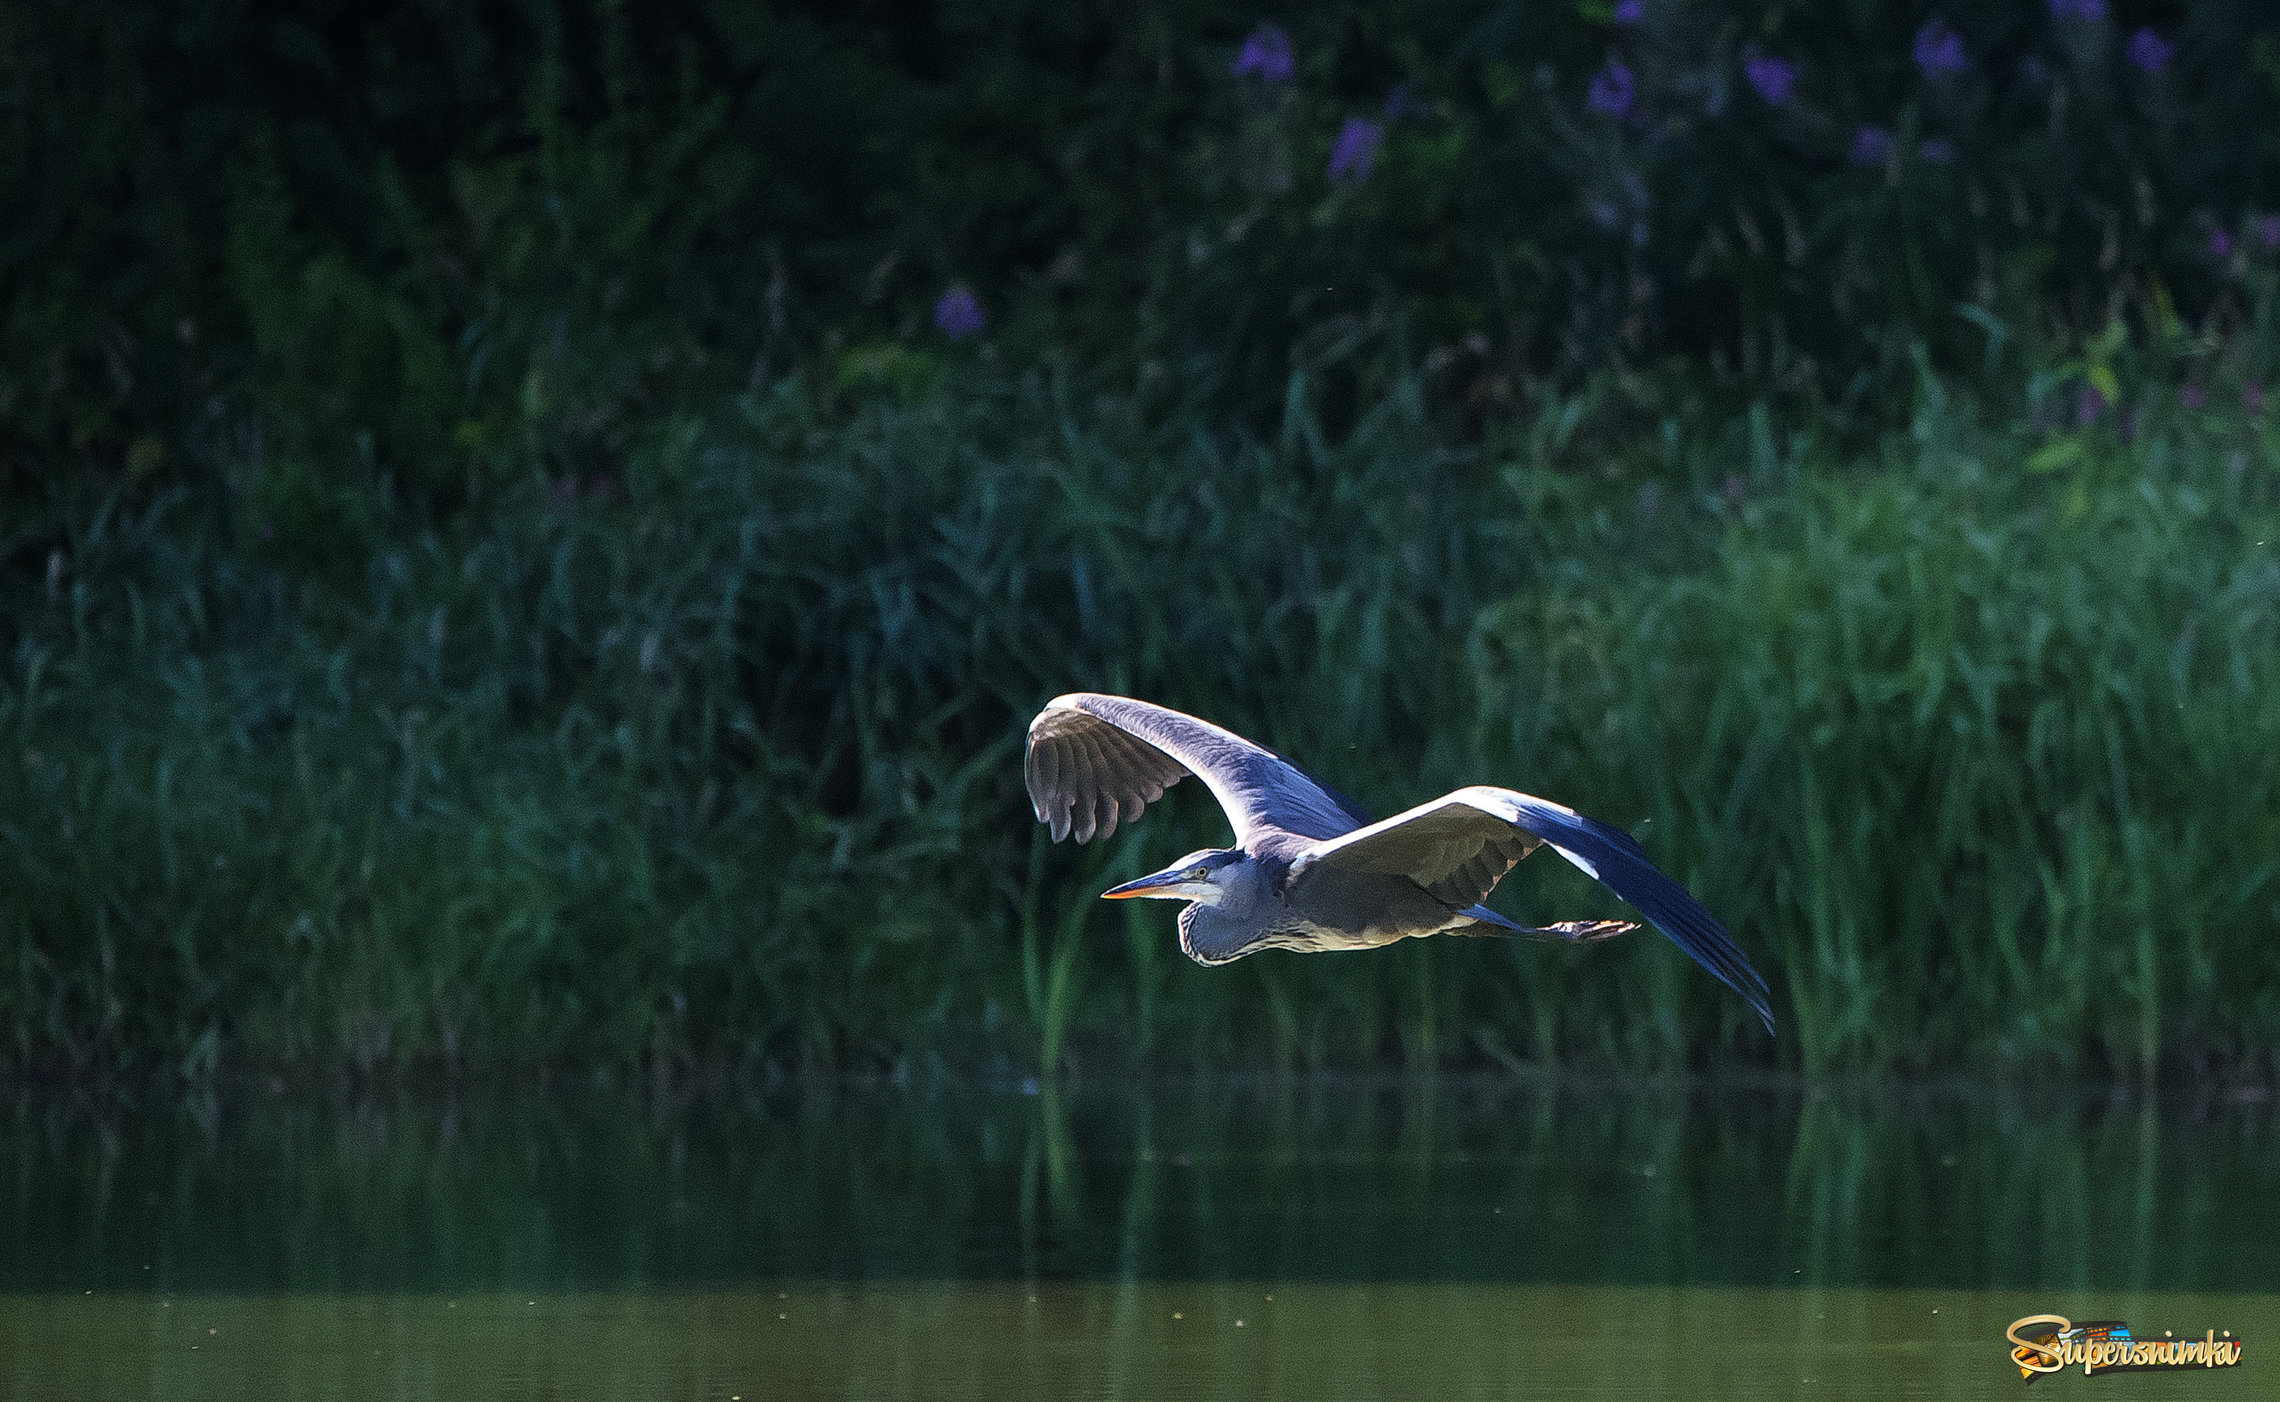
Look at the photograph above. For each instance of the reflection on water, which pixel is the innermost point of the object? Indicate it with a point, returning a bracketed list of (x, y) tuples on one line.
[(1305, 1180), (1467, 1239)]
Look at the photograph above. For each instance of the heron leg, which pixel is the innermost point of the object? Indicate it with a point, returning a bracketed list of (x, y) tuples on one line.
[(1565, 932)]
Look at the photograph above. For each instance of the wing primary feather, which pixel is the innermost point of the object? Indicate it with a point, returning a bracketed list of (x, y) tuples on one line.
[(1085, 784), (1064, 806), (1108, 778), (1044, 777), (1126, 764), (1098, 800), (1059, 769), (1063, 782), (1616, 859)]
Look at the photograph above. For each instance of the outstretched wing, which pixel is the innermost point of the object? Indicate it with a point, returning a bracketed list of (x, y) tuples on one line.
[(1459, 846), (1095, 761)]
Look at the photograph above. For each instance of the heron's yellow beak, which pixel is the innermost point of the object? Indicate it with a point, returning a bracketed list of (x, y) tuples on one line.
[(1162, 884)]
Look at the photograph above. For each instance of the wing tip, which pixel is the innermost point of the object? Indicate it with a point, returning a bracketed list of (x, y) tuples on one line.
[(1733, 969), (1668, 906)]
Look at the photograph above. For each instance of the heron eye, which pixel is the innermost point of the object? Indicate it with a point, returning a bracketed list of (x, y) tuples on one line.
[(1197, 873)]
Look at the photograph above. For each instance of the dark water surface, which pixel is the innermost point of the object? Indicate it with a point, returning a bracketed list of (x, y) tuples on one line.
[(1262, 1240)]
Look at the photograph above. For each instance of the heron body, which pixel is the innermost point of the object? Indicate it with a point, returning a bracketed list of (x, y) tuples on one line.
[(1311, 872)]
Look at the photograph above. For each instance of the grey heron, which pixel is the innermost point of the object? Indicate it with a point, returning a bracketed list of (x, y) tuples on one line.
[(1310, 871)]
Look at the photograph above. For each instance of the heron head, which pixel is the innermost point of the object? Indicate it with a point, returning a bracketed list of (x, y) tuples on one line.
[(1198, 876)]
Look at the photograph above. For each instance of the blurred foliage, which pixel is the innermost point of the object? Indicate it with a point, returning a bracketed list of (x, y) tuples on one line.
[(430, 245)]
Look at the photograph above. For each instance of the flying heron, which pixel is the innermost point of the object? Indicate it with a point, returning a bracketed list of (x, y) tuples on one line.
[(1309, 871)]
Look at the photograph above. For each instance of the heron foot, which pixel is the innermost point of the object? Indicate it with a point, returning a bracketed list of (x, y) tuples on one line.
[(1583, 931)]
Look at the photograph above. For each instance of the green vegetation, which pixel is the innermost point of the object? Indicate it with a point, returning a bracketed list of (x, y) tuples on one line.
[(437, 244), (1976, 745), (532, 535)]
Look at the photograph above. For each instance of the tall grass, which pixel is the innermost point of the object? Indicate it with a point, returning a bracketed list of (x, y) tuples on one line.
[(1988, 760), (1981, 762)]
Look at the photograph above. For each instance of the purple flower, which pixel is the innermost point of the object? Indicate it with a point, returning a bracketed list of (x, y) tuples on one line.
[(1936, 151), (1266, 54), (1605, 214), (1355, 149), (2089, 406), (2148, 52), (957, 314), (2220, 244), (2088, 11), (1772, 77), (1939, 50), (2192, 397), (2253, 397), (1631, 12), (1613, 89), (1872, 146), (2268, 231)]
